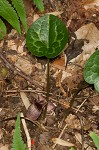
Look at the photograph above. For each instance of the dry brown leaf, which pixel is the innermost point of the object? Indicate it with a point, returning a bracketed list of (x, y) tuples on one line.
[(73, 122), (20, 47), (58, 83), (89, 4), (59, 63), (64, 103), (13, 58), (24, 65), (12, 45), (3, 147), (62, 142), (90, 34), (95, 108), (25, 100), (79, 139), (35, 17)]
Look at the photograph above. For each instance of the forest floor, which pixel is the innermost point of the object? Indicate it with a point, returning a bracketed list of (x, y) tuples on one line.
[(74, 105)]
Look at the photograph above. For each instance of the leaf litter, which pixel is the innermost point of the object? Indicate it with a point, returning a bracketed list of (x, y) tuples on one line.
[(64, 80)]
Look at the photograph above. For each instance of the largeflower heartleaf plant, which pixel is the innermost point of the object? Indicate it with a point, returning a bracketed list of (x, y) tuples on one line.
[(91, 70), (47, 37)]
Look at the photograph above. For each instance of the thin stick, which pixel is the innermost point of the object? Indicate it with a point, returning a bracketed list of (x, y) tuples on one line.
[(81, 105), (48, 82), (47, 90), (29, 90), (26, 132)]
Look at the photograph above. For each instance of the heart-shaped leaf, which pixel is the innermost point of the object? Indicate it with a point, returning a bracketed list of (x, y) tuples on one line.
[(47, 37), (91, 70)]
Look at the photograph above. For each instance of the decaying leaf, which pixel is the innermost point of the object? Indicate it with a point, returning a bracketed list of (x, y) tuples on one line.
[(79, 139), (33, 112), (25, 100), (95, 108), (4, 147), (62, 142), (24, 65), (73, 122), (59, 63), (90, 34), (89, 4)]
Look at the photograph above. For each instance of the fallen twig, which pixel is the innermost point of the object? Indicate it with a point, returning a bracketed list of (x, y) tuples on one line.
[(26, 132), (17, 71)]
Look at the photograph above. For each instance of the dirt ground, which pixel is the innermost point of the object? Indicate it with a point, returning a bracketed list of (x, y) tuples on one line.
[(73, 110)]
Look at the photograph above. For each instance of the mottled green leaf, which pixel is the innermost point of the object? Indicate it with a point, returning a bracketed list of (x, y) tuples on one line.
[(39, 4), (9, 14), (91, 70), (47, 37), (2, 29)]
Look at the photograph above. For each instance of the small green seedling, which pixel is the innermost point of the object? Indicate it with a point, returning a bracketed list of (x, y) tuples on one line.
[(95, 139), (39, 4), (18, 143), (91, 70), (47, 37)]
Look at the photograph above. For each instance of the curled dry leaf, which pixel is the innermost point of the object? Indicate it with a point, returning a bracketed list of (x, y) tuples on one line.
[(62, 142), (50, 107), (90, 34), (73, 122), (35, 110)]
